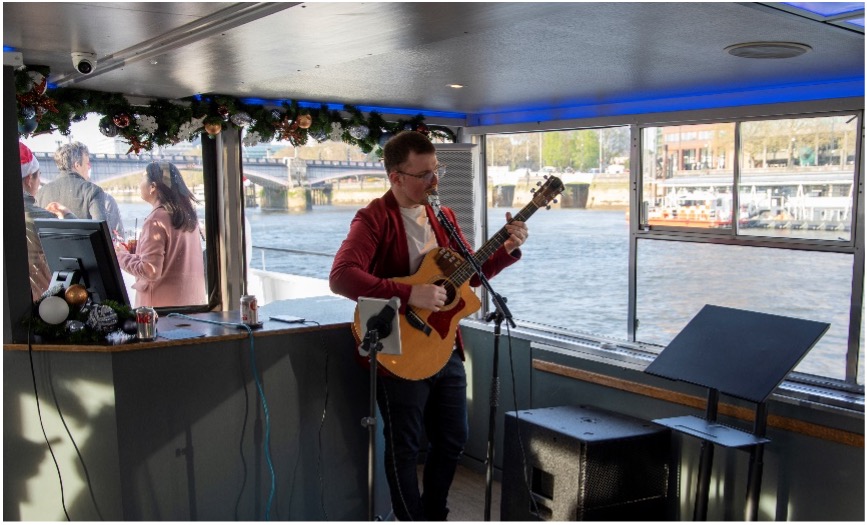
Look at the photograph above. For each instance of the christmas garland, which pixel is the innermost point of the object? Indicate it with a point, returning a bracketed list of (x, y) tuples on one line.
[(164, 122), (70, 315)]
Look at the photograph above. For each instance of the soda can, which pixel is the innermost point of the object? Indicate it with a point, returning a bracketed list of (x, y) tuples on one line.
[(249, 310), (146, 323)]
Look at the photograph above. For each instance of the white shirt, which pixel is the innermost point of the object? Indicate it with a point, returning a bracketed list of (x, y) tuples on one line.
[(420, 237)]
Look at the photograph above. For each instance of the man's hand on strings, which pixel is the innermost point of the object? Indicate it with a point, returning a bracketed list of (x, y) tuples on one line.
[(428, 296)]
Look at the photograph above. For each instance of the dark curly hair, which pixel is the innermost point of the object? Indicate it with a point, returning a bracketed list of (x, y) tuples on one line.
[(173, 194)]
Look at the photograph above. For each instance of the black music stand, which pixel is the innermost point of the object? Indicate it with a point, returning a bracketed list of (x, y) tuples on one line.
[(738, 353)]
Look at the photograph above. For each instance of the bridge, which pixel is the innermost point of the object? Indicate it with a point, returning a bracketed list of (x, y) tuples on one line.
[(273, 173)]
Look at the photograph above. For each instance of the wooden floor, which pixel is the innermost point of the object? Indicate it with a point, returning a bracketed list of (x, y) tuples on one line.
[(467, 496)]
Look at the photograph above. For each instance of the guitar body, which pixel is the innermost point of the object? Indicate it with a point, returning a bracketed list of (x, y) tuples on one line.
[(424, 353)]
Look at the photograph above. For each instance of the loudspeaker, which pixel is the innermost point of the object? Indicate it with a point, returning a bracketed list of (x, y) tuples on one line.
[(459, 188), (584, 463)]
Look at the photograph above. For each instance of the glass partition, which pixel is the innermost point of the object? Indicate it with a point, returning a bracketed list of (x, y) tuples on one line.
[(117, 172)]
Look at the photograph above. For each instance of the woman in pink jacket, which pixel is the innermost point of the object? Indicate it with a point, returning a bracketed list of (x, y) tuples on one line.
[(167, 260)]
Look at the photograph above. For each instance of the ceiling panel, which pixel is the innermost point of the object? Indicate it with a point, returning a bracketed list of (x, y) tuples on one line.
[(509, 55)]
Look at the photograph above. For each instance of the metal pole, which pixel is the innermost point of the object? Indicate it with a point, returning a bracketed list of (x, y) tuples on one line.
[(702, 491), (369, 422), (492, 416), (754, 482)]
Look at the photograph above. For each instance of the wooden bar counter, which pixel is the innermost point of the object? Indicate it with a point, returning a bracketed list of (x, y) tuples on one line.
[(177, 429)]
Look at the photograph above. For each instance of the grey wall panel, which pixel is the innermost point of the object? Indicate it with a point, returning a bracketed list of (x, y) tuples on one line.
[(178, 433)]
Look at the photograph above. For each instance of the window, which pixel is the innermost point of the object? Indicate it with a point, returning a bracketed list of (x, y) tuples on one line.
[(118, 173), (687, 181), (299, 202), (798, 177), (755, 214), (676, 279), (573, 273), (781, 243)]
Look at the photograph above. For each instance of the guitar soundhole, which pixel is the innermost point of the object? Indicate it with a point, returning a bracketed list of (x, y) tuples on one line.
[(451, 292)]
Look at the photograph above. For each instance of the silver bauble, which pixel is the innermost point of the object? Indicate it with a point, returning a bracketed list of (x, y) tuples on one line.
[(74, 326), (102, 318), (241, 119), (359, 132)]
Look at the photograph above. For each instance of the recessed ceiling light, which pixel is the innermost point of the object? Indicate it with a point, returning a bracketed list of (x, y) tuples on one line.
[(768, 49), (455, 86)]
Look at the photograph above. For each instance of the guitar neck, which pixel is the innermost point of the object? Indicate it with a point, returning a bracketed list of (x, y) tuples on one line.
[(466, 270)]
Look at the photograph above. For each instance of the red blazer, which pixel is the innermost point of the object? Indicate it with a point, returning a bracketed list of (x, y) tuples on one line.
[(376, 249)]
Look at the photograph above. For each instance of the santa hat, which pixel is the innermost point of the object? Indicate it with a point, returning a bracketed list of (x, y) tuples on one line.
[(29, 164)]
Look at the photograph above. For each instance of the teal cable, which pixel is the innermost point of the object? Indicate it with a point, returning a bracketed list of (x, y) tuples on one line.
[(267, 444)]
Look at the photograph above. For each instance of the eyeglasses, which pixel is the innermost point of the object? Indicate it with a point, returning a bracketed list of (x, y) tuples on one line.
[(428, 176)]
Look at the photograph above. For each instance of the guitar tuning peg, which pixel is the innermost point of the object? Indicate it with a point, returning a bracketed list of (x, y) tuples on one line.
[(532, 190), (548, 207), (554, 201), (539, 183)]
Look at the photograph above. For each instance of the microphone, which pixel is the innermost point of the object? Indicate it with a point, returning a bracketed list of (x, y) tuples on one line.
[(381, 322), (433, 198)]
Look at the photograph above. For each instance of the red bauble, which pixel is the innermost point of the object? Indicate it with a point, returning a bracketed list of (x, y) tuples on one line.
[(121, 120)]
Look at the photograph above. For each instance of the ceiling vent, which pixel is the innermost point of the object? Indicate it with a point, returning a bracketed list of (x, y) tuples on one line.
[(768, 49)]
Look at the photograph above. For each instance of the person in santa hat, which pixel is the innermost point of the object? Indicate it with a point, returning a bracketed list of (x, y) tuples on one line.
[(40, 276)]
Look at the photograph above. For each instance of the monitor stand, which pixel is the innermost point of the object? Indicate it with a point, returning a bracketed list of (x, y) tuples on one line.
[(66, 278)]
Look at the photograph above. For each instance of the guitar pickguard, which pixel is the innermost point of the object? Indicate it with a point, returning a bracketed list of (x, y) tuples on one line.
[(441, 321)]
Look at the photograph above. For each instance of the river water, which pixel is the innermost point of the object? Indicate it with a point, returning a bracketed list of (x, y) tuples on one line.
[(574, 274)]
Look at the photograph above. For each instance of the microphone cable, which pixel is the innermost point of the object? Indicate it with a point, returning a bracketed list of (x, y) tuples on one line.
[(267, 444), (518, 426)]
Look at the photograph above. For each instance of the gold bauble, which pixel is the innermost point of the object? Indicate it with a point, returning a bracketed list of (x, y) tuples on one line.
[(305, 121), (76, 295), (213, 128)]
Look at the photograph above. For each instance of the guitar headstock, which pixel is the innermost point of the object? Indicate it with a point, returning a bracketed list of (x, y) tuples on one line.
[(547, 191)]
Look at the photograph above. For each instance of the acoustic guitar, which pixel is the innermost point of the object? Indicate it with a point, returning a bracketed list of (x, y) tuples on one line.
[(427, 337)]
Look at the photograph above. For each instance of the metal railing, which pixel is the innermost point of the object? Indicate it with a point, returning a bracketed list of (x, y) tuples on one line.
[(288, 250)]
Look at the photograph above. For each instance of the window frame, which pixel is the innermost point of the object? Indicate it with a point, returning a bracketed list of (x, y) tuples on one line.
[(730, 236)]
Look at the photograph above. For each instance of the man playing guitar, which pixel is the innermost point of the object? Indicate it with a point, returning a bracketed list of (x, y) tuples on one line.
[(392, 238)]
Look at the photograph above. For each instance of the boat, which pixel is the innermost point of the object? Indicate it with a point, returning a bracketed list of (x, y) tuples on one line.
[(693, 210)]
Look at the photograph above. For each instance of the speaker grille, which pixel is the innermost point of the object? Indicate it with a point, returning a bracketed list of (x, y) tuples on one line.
[(457, 189)]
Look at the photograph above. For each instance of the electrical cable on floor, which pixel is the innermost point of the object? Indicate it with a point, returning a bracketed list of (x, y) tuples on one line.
[(74, 444), (42, 424), (267, 445)]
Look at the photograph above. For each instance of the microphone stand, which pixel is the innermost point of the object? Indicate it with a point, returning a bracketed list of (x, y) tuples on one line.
[(372, 344), (378, 328), (500, 313)]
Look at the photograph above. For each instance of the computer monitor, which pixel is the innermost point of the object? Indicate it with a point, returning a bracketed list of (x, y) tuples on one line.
[(81, 251)]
